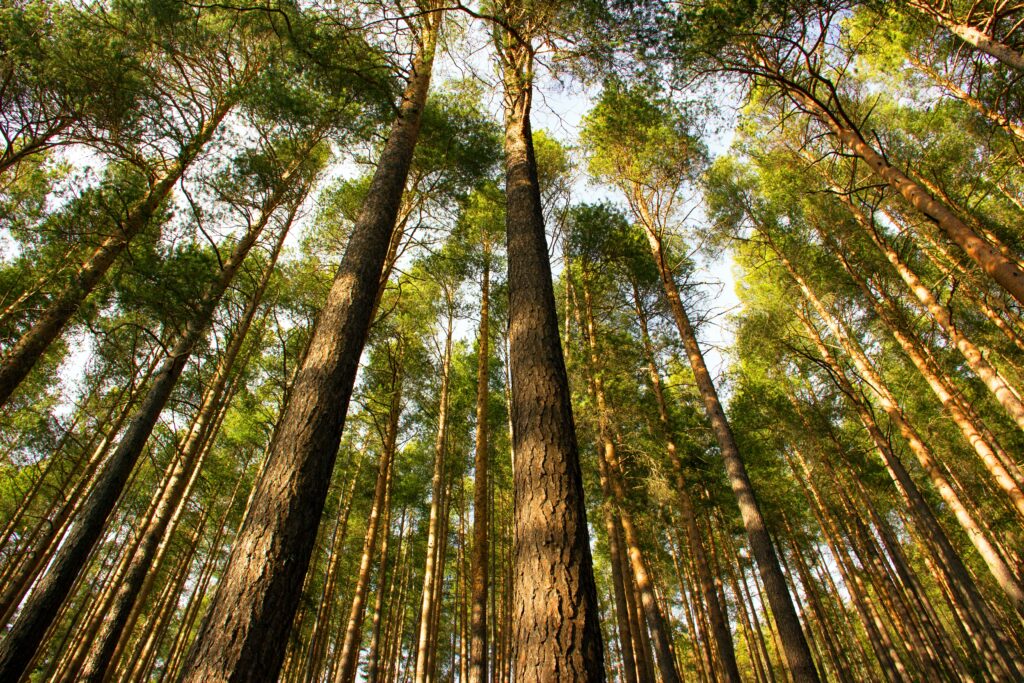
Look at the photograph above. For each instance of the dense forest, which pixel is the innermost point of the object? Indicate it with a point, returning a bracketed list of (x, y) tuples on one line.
[(322, 360)]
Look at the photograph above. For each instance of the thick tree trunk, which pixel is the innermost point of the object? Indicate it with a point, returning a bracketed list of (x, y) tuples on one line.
[(244, 634), (555, 615), (26, 352), (798, 655)]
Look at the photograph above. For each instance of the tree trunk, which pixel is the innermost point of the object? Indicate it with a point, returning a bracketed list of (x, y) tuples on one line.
[(349, 657), (481, 511), (722, 636), (555, 615), (971, 35), (1005, 271), (798, 655), (435, 540), (53, 588), (244, 634)]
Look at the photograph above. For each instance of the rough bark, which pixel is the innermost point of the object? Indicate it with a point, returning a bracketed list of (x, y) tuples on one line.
[(555, 614)]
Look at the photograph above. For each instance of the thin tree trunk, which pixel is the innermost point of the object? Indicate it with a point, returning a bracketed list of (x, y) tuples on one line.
[(349, 657), (481, 511), (26, 352), (435, 541), (798, 655), (243, 636), (722, 636)]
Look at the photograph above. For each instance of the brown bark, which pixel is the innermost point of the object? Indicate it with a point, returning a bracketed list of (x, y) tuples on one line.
[(349, 657), (555, 614), (798, 655), (325, 609), (481, 511), (1003, 270), (243, 637)]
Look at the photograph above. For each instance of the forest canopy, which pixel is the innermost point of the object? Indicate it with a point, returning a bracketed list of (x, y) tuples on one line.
[(518, 340)]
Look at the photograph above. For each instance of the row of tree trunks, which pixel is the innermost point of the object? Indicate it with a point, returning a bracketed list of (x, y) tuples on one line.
[(37, 613), (26, 352)]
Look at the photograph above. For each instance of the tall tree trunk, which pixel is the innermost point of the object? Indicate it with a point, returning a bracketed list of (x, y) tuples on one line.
[(798, 655), (26, 352), (435, 540), (244, 634), (349, 657), (53, 588), (555, 616), (722, 636), (481, 510)]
